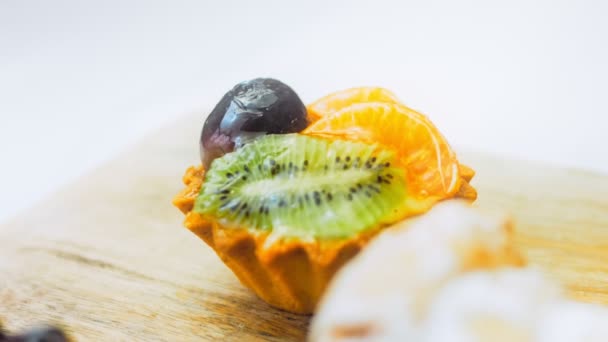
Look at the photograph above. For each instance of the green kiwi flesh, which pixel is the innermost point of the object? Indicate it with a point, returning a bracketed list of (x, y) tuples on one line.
[(305, 187)]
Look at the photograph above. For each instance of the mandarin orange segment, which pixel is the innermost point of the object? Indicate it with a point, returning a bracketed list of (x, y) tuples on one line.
[(431, 165), (337, 100)]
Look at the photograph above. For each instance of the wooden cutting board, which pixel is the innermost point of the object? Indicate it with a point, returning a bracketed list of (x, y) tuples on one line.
[(108, 258)]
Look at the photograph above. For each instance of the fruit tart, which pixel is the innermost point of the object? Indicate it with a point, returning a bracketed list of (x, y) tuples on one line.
[(287, 193)]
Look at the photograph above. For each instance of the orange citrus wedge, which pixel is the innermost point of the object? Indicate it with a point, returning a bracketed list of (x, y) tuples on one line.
[(335, 101), (433, 170)]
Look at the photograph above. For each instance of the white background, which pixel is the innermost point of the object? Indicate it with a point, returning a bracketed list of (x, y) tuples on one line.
[(81, 80)]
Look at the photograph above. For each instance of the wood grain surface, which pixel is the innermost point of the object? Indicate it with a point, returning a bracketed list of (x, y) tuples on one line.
[(107, 256)]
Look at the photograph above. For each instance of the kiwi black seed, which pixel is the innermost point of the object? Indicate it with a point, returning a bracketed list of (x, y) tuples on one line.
[(333, 194)]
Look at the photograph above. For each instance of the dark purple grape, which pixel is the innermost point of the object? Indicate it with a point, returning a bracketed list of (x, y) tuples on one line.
[(250, 109)]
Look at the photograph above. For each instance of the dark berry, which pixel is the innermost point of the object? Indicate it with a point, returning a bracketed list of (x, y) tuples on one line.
[(42, 334), (250, 109)]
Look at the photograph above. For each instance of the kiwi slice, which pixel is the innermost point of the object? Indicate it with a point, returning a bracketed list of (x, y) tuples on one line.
[(305, 187)]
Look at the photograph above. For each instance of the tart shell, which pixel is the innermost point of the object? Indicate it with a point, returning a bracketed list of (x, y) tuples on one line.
[(287, 274)]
